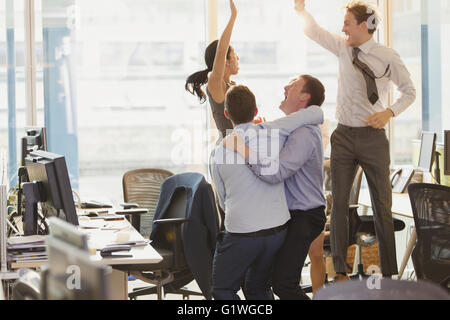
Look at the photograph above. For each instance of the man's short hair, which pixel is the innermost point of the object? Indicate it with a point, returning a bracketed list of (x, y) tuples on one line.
[(363, 12), (315, 88), (240, 103)]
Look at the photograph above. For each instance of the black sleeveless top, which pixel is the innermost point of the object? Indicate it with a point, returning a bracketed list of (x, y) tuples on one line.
[(222, 123)]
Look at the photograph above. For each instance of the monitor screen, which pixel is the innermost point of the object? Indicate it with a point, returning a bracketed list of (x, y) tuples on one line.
[(68, 233), (55, 190), (447, 153), (35, 139), (427, 149)]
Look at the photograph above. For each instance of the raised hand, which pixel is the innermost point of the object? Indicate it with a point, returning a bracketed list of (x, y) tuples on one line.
[(233, 8), (299, 5), (259, 120)]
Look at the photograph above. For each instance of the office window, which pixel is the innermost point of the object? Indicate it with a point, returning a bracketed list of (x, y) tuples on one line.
[(269, 40), (445, 51), (119, 72), (12, 82), (419, 35), (406, 31)]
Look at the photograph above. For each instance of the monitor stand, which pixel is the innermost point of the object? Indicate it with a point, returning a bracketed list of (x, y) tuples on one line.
[(437, 170), (31, 191)]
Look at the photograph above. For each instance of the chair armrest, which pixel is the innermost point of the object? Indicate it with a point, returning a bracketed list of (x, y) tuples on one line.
[(171, 221), (129, 205)]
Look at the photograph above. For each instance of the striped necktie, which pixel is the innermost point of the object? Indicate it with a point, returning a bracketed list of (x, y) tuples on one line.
[(369, 77)]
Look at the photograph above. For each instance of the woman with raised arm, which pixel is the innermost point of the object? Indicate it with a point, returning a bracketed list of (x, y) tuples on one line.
[(222, 62)]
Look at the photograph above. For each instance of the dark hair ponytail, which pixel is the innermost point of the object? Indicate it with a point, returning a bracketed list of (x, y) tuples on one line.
[(195, 81)]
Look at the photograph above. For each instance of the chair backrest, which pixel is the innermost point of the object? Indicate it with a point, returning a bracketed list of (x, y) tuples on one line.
[(354, 193), (143, 187), (177, 206), (177, 209), (431, 209)]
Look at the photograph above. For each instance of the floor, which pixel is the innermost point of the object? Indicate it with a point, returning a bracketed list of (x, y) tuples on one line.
[(191, 286)]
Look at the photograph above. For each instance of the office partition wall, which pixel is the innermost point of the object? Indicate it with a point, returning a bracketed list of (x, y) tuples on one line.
[(117, 74)]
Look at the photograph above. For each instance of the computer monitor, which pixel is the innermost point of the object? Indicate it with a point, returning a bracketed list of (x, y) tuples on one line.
[(50, 186), (35, 139), (427, 150), (71, 275), (68, 233), (447, 152)]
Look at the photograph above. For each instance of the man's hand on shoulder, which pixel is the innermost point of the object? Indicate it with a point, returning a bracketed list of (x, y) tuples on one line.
[(299, 5), (259, 120), (235, 143)]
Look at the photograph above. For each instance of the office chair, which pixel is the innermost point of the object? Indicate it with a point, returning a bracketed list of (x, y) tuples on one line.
[(382, 289), (173, 225), (141, 189), (172, 272), (431, 209)]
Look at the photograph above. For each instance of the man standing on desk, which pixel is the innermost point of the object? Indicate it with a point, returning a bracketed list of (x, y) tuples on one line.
[(366, 70)]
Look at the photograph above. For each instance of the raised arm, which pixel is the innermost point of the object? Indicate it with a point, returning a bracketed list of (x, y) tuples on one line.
[(216, 85), (309, 116), (324, 38)]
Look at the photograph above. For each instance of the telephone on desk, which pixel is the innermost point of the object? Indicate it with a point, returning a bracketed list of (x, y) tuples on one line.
[(400, 179)]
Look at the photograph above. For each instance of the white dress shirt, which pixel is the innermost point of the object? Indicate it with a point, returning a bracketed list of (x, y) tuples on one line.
[(353, 106)]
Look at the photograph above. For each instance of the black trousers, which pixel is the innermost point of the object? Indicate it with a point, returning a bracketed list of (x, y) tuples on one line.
[(304, 228)]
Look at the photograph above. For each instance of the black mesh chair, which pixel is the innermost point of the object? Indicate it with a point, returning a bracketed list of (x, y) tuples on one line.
[(431, 209)]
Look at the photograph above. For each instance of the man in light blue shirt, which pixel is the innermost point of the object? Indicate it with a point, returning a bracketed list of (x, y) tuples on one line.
[(300, 166), (256, 213)]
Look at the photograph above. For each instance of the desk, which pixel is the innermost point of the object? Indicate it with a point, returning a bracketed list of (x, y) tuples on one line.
[(401, 205), (98, 239)]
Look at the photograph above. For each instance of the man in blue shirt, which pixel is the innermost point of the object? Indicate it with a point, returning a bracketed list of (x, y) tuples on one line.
[(300, 166), (256, 213)]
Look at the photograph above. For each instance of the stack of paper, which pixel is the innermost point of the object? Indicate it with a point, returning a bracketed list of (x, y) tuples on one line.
[(30, 248)]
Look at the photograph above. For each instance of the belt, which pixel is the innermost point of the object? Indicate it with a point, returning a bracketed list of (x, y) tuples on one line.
[(261, 233), (358, 129)]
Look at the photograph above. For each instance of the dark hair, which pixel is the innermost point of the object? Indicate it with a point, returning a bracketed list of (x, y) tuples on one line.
[(363, 12), (195, 81), (315, 88), (240, 103)]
